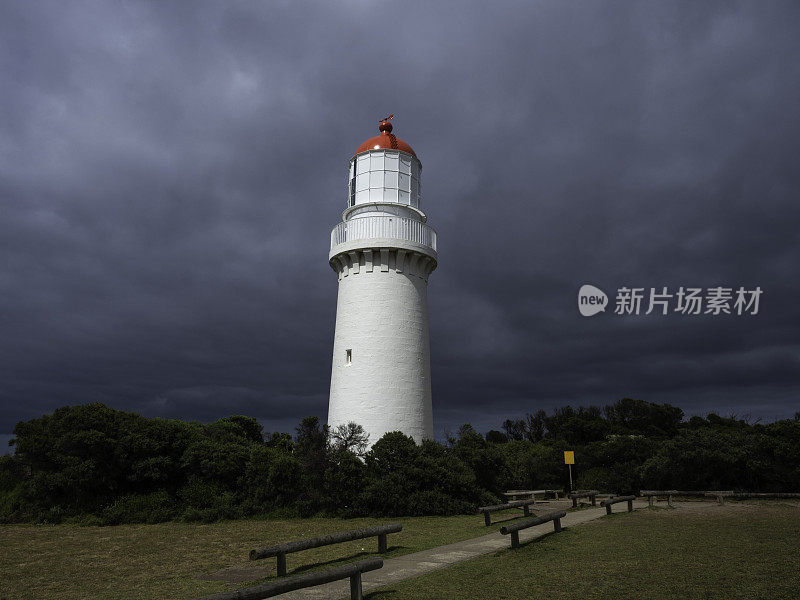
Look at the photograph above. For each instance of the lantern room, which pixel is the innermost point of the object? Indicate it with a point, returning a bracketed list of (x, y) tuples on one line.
[(385, 169)]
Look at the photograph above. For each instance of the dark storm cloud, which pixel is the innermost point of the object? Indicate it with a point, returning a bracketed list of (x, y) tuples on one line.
[(170, 173)]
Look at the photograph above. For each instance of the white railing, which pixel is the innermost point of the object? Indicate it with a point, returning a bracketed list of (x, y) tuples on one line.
[(401, 228)]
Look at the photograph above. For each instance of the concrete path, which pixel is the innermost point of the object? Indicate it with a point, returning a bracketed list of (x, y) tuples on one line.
[(425, 561)]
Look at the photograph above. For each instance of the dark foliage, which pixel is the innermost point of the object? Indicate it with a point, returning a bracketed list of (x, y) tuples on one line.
[(94, 464), (406, 479)]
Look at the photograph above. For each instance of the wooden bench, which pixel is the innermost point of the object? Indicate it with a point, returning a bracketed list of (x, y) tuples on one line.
[(525, 504), (515, 528), (297, 582), (775, 495), (520, 494), (652, 495), (281, 550), (590, 494), (617, 500), (720, 495)]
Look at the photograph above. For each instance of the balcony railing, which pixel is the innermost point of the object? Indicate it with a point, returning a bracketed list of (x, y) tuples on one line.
[(401, 228)]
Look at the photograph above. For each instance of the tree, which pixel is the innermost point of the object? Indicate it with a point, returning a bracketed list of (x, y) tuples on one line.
[(406, 479), (629, 415), (485, 460), (310, 437), (271, 479), (72, 455), (351, 437), (535, 426), (281, 440), (577, 427), (496, 437), (696, 422), (532, 466), (515, 429), (311, 448), (250, 428), (345, 477)]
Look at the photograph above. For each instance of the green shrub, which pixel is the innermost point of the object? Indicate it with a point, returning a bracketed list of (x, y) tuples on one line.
[(91, 464), (406, 479), (155, 507), (207, 501)]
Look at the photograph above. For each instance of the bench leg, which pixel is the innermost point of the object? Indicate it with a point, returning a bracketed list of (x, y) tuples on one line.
[(669, 501), (608, 509), (594, 500), (630, 505), (486, 519), (382, 543), (281, 564), (356, 592), (557, 525), (515, 539), (650, 501), (574, 503), (721, 500), (526, 510)]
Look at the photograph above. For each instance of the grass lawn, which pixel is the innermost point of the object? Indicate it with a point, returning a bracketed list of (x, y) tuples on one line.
[(747, 551), (67, 562)]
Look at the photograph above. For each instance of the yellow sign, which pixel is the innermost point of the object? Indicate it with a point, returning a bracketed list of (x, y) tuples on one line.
[(569, 457)]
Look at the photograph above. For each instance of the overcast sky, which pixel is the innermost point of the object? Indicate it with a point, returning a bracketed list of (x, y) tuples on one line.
[(170, 173)]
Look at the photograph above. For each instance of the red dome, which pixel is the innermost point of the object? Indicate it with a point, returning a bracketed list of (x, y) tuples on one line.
[(386, 140)]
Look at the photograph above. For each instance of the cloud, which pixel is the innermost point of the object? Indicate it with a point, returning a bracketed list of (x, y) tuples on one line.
[(169, 176)]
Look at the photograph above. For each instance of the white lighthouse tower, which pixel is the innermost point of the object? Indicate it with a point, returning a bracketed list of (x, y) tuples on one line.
[(383, 252)]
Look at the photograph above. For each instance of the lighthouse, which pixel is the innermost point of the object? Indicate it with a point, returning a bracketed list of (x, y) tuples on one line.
[(383, 252)]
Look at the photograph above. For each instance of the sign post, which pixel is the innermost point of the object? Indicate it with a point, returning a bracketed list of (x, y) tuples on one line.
[(569, 459)]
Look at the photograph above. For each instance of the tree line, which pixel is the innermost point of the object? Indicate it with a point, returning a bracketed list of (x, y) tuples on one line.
[(95, 464)]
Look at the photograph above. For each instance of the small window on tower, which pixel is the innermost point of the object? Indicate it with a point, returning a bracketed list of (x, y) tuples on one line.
[(348, 357)]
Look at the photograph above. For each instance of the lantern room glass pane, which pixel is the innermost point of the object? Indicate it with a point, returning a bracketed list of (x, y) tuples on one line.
[(376, 179), (392, 161), (362, 182), (363, 164), (405, 165), (389, 195), (404, 182), (403, 197), (362, 196), (376, 195), (415, 169), (390, 179), (376, 161)]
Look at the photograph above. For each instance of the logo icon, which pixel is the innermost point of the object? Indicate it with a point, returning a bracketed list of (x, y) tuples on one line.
[(591, 300)]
